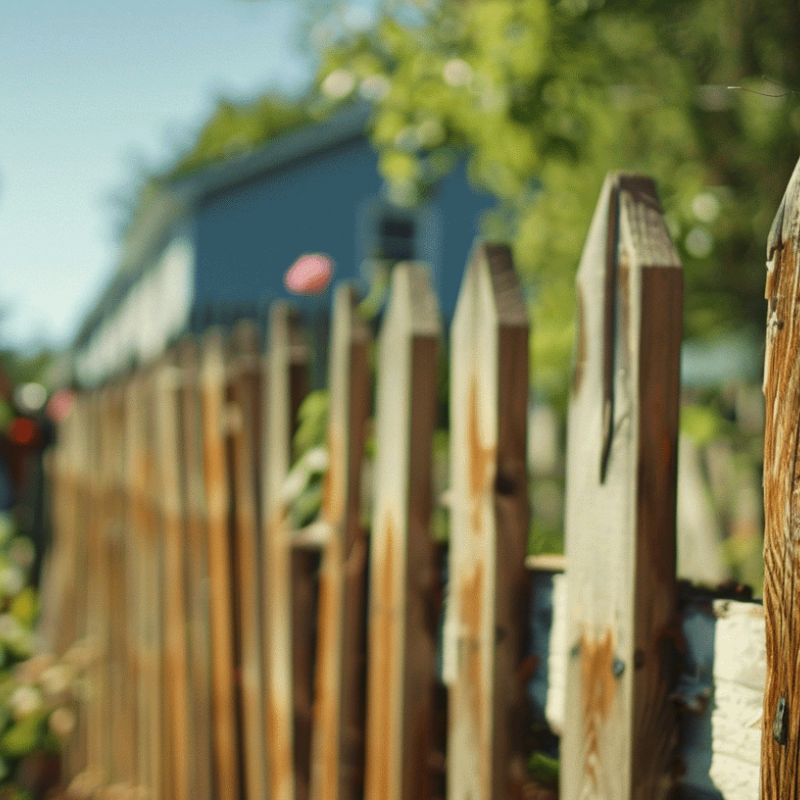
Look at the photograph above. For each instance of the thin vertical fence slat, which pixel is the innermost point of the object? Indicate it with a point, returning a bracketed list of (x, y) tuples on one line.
[(244, 377), (287, 681), (120, 680), (338, 734), (97, 600), (199, 740), (780, 738), (223, 686), (134, 514), (487, 593), (620, 503), (147, 607), (402, 623), (166, 381)]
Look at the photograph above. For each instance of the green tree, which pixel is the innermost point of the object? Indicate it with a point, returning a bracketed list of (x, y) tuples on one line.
[(544, 98)]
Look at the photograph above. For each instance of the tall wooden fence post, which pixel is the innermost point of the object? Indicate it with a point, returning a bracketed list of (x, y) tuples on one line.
[(198, 637), (620, 505), (780, 740), (166, 383), (337, 750), (224, 722), (244, 424), (286, 362), (487, 596), (402, 625)]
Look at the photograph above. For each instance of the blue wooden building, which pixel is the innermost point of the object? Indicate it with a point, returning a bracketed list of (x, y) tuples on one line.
[(223, 238)]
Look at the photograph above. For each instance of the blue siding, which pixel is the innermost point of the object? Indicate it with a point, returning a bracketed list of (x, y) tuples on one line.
[(249, 234)]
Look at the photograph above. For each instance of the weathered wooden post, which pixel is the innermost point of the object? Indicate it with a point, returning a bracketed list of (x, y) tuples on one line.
[(166, 384), (287, 681), (224, 725), (620, 505), (402, 624), (338, 735), (488, 584), (244, 428), (198, 639), (147, 584), (780, 741)]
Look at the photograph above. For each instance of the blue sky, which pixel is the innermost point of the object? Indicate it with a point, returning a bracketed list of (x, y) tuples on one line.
[(91, 91)]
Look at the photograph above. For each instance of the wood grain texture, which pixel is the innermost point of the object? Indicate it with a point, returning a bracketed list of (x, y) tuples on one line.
[(402, 632), (199, 741), (226, 744), (780, 761), (288, 748), (338, 736), (489, 530), (243, 409), (619, 724), (166, 383)]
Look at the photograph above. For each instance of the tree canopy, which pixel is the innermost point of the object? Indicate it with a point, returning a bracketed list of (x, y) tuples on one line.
[(542, 98)]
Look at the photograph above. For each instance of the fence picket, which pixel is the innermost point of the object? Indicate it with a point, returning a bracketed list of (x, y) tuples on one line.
[(166, 383), (489, 530), (402, 622), (287, 684), (620, 506), (244, 422), (200, 728), (338, 735), (223, 663)]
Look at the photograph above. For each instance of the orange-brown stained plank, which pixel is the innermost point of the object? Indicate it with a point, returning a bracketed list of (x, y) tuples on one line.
[(780, 740), (199, 741), (244, 388), (120, 735), (486, 614), (148, 610), (619, 722), (224, 717), (402, 637), (288, 623), (166, 385), (338, 735)]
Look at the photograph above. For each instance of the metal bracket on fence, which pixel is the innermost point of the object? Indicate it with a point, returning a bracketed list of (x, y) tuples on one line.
[(609, 326)]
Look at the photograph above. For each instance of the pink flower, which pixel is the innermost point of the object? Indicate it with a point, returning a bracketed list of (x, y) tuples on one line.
[(310, 274)]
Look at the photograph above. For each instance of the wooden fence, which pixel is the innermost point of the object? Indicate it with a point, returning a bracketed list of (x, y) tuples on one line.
[(230, 656)]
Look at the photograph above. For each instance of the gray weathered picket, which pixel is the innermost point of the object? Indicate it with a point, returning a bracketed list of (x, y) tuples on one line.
[(489, 530), (402, 634), (338, 732), (620, 505)]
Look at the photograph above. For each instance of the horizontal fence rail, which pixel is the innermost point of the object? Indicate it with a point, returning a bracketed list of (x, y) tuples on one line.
[(230, 653)]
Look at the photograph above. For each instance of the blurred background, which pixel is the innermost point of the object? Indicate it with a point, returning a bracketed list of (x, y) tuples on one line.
[(163, 164)]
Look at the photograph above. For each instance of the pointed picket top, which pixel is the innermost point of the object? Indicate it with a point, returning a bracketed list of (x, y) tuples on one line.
[(287, 684), (780, 740), (484, 627), (243, 417), (166, 383), (402, 644), (337, 750), (620, 504), (199, 740), (217, 496)]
